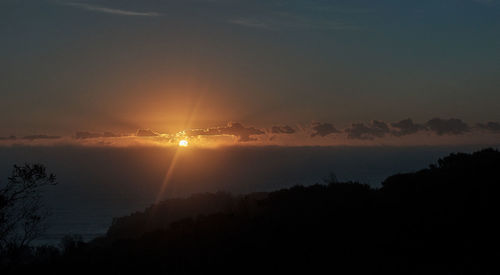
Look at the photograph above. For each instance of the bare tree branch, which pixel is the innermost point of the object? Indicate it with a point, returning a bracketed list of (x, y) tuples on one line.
[(21, 209)]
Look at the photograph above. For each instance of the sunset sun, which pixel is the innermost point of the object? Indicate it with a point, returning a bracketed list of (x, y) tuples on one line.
[(183, 143)]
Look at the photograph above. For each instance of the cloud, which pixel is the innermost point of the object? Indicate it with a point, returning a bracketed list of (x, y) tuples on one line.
[(323, 129), (251, 23), (33, 137), (406, 127), (241, 132), (232, 129), (85, 135), (370, 131), (452, 126), (110, 10), (282, 130), (291, 21), (30, 137), (8, 138), (146, 133), (490, 126)]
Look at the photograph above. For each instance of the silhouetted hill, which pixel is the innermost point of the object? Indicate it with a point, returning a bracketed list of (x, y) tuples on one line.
[(439, 220), (161, 215)]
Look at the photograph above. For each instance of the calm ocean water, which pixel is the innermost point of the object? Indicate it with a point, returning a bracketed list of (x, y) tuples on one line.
[(97, 184)]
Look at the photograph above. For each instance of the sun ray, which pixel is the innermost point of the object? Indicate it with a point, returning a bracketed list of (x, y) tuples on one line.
[(167, 177), (182, 143)]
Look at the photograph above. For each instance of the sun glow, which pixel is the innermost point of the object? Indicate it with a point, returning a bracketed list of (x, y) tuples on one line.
[(183, 143)]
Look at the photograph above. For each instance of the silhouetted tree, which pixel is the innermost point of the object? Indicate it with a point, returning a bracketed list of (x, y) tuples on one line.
[(21, 209)]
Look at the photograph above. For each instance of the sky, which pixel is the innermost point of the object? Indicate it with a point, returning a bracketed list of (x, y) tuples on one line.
[(271, 72)]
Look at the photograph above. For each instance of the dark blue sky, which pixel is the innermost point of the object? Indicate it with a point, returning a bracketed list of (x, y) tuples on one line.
[(122, 65)]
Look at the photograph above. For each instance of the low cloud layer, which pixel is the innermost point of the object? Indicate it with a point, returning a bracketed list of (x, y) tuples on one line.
[(29, 137), (376, 129), (85, 135), (323, 129), (8, 138), (490, 126), (316, 134), (233, 129), (406, 127), (146, 133), (452, 126), (282, 130), (35, 137)]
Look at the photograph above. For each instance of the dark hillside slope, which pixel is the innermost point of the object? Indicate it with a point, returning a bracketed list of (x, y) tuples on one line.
[(440, 220)]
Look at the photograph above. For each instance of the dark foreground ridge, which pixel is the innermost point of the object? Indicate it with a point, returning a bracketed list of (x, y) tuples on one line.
[(440, 220)]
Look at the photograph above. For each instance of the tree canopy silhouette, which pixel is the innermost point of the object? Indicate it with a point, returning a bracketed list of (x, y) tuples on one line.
[(21, 209)]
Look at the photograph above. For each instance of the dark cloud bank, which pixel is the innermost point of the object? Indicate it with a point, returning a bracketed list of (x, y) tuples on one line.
[(490, 126), (234, 129), (30, 137), (406, 127), (282, 130), (146, 133), (323, 129), (85, 135), (356, 131), (452, 126), (370, 131), (379, 129)]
